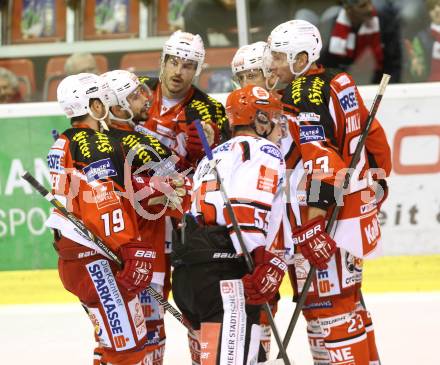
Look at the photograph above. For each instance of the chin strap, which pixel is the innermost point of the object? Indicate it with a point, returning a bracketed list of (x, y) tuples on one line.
[(103, 124), (124, 120), (128, 120), (275, 83), (264, 135)]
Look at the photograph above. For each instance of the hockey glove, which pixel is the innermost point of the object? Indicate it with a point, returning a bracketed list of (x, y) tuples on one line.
[(316, 245), (137, 272), (173, 192), (194, 145), (263, 284)]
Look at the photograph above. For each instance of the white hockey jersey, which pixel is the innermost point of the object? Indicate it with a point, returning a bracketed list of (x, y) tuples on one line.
[(252, 171)]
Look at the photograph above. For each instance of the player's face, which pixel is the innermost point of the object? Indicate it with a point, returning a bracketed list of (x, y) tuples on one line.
[(360, 12), (280, 67), (87, 65), (228, 4), (251, 77), (177, 76), (140, 102), (6, 91), (276, 135), (434, 13), (269, 123)]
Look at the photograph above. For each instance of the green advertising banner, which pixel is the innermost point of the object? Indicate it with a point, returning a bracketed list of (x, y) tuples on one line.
[(25, 243)]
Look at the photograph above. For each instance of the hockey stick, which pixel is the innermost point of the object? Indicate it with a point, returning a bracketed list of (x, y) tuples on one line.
[(338, 195), (244, 250), (83, 230)]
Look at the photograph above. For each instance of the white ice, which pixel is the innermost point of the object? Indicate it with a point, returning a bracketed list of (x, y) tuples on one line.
[(407, 327)]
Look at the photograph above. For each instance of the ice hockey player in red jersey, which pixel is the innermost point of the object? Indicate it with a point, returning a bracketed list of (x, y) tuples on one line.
[(210, 281), (329, 117), (87, 175), (177, 103), (251, 66), (153, 165)]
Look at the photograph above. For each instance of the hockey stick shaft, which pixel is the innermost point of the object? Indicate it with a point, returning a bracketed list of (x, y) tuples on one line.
[(84, 231), (339, 193), (244, 250), (55, 134)]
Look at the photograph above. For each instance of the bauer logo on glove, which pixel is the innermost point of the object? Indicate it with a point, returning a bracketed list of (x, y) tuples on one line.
[(316, 245), (263, 283), (145, 253), (137, 270), (306, 235)]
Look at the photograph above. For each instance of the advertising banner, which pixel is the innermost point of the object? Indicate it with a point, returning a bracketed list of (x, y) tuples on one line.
[(410, 217), (25, 243)]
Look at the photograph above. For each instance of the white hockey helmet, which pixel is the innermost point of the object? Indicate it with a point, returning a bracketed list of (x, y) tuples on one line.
[(75, 91), (294, 37), (187, 46), (122, 83), (251, 57)]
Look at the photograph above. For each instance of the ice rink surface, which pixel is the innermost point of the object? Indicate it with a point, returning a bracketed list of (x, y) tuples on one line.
[(407, 331)]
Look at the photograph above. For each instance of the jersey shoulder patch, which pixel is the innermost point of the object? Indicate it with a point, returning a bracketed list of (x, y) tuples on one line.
[(271, 150), (101, 169), (311, 133)]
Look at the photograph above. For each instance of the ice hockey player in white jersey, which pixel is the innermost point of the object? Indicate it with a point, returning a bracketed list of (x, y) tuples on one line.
[(251, 66), (211, 285)]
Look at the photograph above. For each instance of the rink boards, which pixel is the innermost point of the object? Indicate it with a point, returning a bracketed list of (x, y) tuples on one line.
[(383, 275), (410, 219)]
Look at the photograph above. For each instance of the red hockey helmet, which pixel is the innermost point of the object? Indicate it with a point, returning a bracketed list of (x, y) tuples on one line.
[(244, 106)]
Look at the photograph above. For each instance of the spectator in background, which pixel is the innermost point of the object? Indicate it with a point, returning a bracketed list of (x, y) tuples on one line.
[(9, 90), (220, 17), (359, 25), (80, 62), (424, 49), (175, 14)]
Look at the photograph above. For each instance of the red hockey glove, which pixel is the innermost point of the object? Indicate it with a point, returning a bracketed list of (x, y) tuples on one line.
[(138, 263), (194, 145), (262, 285), (316, 245)]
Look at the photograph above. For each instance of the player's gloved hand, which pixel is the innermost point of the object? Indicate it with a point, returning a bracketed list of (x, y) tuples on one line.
[(178, 199), (173, 192), (316, 245), (137, 272), (262, 285), (194, 145)]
